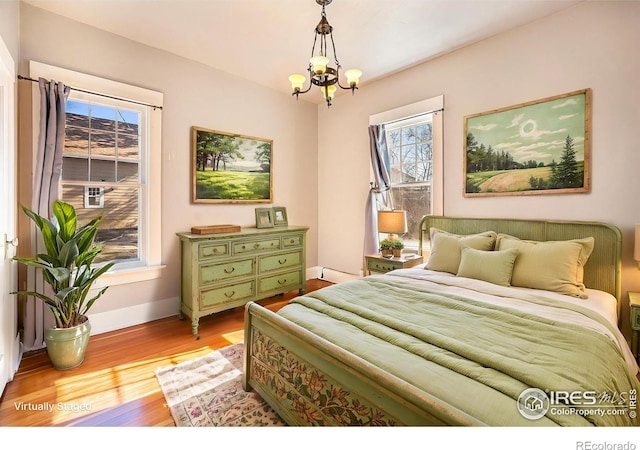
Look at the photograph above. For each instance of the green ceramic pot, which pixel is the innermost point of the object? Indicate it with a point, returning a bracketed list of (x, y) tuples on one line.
[(66, 346)]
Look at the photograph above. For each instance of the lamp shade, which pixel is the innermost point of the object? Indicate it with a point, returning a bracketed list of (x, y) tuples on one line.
[(328, 91), (319, 64), (353, 76), (392, 222), (297, 81), (636, 247)]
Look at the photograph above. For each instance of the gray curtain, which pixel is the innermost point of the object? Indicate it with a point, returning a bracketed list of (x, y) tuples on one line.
[(379, 191), (48, 169)]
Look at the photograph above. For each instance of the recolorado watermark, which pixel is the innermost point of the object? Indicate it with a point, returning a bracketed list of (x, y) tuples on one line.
[(534, 403), (589, 445)]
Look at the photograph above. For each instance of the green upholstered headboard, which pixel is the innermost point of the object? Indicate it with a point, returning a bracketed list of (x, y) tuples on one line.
[(603, 269)]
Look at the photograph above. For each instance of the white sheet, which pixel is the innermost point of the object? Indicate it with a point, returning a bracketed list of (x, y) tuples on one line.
[(600, 302)]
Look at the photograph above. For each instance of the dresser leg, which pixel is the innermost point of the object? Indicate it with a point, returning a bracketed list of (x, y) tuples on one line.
[(301, 291), (194, 327)]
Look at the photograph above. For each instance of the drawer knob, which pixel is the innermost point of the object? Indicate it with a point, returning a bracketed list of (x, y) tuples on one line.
[(229, 295), (230, 271), (256, 246), (291, 241), (282, 262), (282, 281)]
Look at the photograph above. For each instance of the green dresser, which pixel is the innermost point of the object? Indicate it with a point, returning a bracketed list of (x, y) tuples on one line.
[(226, 270)]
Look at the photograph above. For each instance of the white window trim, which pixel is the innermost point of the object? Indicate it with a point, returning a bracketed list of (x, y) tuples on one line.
[(433, 105), (153, 250)]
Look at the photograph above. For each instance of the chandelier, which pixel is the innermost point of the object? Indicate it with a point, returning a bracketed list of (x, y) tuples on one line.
[(320, 73)]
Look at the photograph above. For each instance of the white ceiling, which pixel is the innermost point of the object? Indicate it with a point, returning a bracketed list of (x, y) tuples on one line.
[(267, 40)]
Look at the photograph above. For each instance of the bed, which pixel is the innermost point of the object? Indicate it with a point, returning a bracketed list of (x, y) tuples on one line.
[(475, 336)]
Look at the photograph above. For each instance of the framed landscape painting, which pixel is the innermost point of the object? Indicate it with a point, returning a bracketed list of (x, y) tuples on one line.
[(230, 168), (539, 147)]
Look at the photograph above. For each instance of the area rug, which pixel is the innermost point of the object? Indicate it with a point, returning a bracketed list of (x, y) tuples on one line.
[(207, 392)]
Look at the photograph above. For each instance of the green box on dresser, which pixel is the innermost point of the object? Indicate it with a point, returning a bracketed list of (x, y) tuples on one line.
[(225, 270)]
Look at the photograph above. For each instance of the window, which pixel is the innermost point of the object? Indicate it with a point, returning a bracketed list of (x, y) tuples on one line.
[(410, 151), (414, 154), (111, 168), (93, 197), (102, 162)]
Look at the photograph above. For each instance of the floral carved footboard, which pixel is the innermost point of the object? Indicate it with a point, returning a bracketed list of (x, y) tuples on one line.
[(309, 393), (309, 381)]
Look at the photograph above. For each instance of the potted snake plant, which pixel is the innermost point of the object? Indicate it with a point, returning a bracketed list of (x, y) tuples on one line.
[(68, 269)]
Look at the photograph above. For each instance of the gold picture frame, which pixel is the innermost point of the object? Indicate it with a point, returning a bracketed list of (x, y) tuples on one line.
[(538, 147), (230, 168)]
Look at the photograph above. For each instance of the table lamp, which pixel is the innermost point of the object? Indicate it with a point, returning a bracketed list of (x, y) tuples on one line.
[(392, 222)]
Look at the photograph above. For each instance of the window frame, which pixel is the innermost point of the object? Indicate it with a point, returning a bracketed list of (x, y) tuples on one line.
[(150, 264), (434, 106)]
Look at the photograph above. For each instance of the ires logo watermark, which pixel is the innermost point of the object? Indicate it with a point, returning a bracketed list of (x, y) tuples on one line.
[(534, 403)]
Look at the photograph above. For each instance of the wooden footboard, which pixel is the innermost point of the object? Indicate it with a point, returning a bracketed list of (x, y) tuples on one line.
[(310, 381)]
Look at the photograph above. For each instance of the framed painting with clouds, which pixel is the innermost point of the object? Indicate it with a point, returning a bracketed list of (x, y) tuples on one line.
[(538, 147)]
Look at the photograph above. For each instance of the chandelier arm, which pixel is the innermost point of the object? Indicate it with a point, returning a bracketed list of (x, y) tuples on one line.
[(343, 87), (305, 91)]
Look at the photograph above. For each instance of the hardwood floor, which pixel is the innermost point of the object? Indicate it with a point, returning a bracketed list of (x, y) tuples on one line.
[(116, 384)]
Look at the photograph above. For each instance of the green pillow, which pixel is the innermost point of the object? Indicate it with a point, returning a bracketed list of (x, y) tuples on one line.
[(556, 266), (493, 266), (446, 248)]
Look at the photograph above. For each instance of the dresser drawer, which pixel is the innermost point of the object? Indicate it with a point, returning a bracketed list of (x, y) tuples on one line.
[(227, 270), (210, 298), (212, 250), (269, 263), (282, 282), (380, 266), (211, 273), (635, 318), (244, 247), (292, 240)]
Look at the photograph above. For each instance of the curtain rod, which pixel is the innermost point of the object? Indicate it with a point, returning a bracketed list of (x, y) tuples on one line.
[(20, 77)]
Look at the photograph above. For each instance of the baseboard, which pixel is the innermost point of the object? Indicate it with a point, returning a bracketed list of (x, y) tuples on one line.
[(335, 276), (135, 315)]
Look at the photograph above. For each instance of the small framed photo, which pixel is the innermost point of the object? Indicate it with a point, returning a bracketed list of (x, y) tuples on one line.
[(264, 218), (280, 216)]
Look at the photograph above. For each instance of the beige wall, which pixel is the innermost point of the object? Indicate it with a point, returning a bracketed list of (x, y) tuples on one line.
[(10, 26), (194, 95), (590, 45)]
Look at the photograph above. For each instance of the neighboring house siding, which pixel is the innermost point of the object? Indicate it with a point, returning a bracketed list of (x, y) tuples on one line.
[(92, 156)]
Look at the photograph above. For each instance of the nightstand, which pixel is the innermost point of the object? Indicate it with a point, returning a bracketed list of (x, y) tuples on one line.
[(634, 312), (378, 264)]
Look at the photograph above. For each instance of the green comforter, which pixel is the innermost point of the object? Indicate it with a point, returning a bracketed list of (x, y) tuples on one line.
[(475, 356)]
